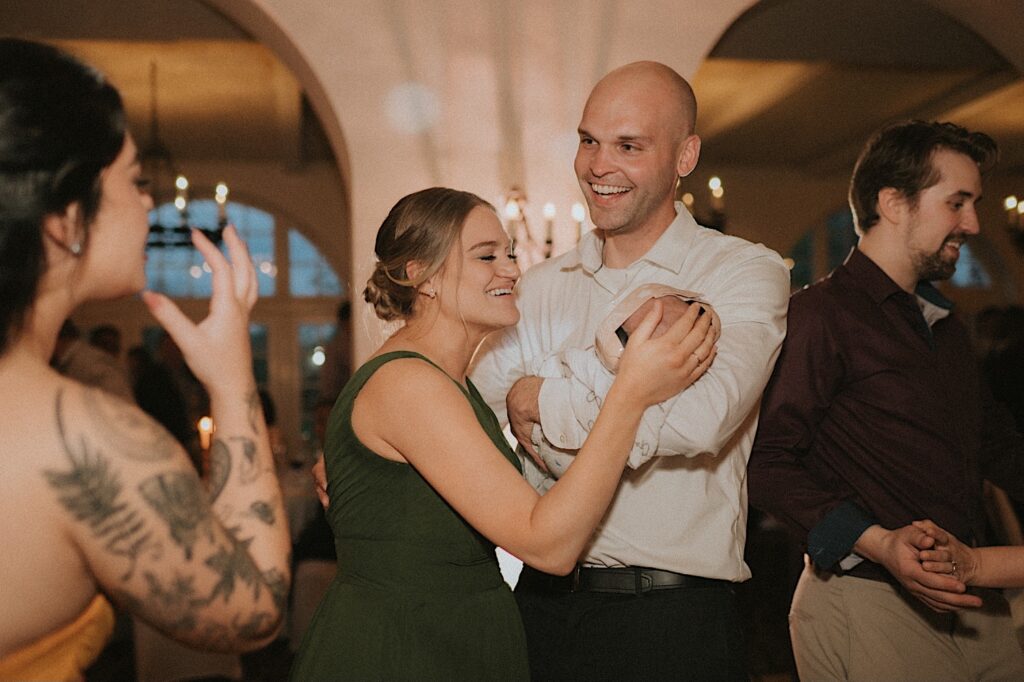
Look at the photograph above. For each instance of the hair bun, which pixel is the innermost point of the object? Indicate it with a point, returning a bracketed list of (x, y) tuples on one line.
[(390, 300)]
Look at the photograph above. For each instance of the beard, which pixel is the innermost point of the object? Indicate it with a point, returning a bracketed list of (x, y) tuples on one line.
[(934, 266)]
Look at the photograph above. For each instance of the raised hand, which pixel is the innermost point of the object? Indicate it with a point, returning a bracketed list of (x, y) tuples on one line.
[(656, 369), (217, 349)]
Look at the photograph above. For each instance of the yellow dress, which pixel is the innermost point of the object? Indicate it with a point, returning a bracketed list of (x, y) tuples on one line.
[(65, 653)]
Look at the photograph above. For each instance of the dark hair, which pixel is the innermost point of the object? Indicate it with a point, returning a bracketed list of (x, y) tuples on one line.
[(61, 124), (900, 156), (103, 331), (422, 227)]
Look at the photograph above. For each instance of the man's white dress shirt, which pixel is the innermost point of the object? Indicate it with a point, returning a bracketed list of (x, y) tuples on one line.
[(686, 513)]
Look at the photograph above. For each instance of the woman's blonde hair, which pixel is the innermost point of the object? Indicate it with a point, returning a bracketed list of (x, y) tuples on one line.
[(421, 227)]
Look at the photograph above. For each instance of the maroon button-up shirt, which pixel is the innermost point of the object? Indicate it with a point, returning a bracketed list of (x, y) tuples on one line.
[(873, 416)]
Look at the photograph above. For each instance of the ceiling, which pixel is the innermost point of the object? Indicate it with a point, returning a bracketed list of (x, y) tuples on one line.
[(797, 84), (768, 98)]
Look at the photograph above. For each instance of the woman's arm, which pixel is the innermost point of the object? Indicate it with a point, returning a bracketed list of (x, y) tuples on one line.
[(410, 409), (143, 521), (206, 562)]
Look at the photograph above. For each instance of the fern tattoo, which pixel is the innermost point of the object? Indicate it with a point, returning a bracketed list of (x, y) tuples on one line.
[(178, 499), (91, 491)]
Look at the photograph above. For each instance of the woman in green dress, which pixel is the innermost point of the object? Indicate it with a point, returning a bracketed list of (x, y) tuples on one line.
[(421, 480)]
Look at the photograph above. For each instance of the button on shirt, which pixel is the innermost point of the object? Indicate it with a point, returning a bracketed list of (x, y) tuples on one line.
[(876, 414), (685, 513)]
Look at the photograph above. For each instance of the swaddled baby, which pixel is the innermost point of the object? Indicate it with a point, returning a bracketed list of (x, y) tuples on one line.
[(609, 343)]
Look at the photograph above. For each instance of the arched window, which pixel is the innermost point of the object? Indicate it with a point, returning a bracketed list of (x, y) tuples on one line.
[(296, 314), (310, 274), (180, 273)]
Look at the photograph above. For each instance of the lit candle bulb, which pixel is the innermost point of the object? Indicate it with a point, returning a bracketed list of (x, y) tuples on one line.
[(512, 216), (717, 193), (205, 427), (1011, 205), (549, 228), (181, 199), (512, 210), (221, 197), (578, 214)]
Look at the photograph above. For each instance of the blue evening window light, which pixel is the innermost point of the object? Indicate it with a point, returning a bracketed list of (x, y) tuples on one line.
[(970, 272), (309, 274), (841, 237), (180, 272), (802, 254)]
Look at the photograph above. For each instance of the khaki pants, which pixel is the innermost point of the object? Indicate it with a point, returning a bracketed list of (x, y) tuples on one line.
[(846, 628)]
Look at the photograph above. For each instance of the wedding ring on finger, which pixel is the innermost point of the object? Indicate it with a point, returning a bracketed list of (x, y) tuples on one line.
[(953, 570)]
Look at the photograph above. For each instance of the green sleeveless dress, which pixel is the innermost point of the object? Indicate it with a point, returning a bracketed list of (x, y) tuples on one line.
[(418, 594)]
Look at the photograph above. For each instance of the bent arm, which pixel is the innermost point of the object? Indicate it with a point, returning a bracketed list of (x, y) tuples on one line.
[(807, 377), (446, 444), (462, 464), (207, 574), (700, 420)]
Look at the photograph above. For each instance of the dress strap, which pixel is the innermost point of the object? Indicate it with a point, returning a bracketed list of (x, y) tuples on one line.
[(374, 364)]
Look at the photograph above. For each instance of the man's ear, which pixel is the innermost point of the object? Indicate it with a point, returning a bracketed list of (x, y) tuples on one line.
[(65, 228), (689, 154), (892, 205)]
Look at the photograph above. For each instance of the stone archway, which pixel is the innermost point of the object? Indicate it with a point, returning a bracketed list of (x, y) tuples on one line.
[(258, 22)]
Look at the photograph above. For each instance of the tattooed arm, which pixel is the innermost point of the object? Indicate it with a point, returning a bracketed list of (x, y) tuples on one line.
[(146, 527), (208, 564)]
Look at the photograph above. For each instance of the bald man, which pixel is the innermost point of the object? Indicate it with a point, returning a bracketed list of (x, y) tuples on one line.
[(651, 597)]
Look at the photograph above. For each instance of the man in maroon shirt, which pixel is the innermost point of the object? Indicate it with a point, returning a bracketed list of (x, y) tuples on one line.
[(876, 416)]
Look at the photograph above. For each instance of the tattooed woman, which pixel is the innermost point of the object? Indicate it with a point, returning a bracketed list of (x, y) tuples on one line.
[(98, 502)]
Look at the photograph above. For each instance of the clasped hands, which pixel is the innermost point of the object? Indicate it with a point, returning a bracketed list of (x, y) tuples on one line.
[(930, 563)]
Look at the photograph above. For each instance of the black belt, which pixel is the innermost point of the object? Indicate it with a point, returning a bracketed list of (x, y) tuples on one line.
[(626, 580)]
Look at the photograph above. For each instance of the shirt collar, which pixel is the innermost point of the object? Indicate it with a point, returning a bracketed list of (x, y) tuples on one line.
[(872, 278), (931, 295), (880, 286), (934, 306), (667, 252)]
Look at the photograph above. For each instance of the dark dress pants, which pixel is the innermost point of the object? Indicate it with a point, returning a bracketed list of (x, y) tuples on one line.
[(687, 633)]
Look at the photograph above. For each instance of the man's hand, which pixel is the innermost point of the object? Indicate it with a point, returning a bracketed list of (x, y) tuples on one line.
[(319, 473), (899, 552), (523, 405)]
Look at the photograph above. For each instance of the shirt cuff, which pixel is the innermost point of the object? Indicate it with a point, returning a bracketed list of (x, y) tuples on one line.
[(835, 535)]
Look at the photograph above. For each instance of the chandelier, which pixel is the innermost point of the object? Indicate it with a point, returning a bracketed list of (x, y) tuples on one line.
[(533, 246), (1015, 219), (536, 245), (172, 231)]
